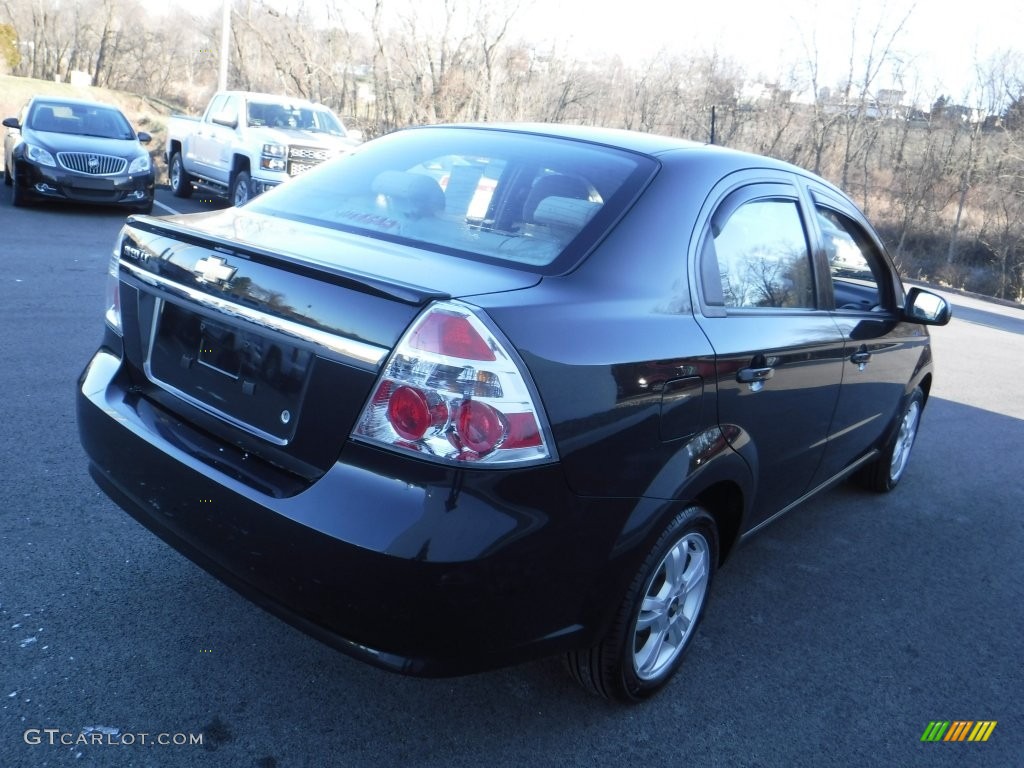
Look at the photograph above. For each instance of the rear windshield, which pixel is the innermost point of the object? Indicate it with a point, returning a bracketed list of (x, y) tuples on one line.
[(532, 201), (79, 119)]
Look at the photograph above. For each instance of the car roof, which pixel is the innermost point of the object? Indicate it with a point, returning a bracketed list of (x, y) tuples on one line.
[(652, 144), (668, 150)]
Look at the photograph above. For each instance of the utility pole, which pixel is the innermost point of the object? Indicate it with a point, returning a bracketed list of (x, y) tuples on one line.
[(225, 36)]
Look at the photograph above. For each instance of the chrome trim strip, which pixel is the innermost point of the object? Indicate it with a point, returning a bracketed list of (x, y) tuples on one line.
[(835, 479), (351, 349)]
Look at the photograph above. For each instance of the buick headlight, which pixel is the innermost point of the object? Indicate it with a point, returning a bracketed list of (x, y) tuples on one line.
[(140, 164), (39, 155)]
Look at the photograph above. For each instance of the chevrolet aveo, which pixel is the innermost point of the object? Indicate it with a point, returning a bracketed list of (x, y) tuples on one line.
[(477, 394)]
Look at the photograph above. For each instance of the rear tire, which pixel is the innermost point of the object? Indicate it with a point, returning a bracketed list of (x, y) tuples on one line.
[(180, 181), (884, 473), (658, 617)]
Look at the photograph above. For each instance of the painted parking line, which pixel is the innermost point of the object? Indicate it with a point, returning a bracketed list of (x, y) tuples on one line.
[(166, 207)]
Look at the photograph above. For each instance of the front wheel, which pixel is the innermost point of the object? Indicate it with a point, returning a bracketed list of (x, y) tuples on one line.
[(884, 473), (240, 192), (181, 182), (659, 615), (19, 198)]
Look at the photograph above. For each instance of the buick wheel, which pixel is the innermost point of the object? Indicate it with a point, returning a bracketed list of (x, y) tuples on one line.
[(19, 197)]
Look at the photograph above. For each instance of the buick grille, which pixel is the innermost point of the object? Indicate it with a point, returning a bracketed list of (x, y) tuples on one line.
[(93, 164)]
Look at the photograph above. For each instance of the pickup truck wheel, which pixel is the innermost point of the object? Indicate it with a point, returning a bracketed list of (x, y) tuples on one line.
[(181, 182), (658, 616), (240, 192)]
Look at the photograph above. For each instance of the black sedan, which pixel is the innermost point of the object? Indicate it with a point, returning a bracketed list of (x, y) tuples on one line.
[(68, 149), (476, 394)]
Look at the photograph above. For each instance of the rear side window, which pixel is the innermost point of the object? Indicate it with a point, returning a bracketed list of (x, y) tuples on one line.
[(532, 201), (762, 258)]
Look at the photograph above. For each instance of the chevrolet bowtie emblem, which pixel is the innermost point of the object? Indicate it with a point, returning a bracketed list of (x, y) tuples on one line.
[(213, 269)]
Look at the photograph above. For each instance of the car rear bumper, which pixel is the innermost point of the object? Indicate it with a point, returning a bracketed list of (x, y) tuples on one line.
[(49, 183), (408, 565)]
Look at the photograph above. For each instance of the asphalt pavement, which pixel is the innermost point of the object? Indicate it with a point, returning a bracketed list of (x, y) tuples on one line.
[(832, 639)]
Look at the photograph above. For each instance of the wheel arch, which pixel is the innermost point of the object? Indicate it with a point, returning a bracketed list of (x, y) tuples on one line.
[(240, 163), (926, 386), (725, 502)]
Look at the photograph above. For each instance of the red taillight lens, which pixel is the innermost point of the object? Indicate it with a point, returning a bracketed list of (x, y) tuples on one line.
[(522, 431), (452, 335), (451, 391), (479, 427), (408, 413)]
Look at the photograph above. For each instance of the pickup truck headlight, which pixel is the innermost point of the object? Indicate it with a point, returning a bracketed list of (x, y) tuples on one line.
[(273, 157), (139, 165), (39, 155)]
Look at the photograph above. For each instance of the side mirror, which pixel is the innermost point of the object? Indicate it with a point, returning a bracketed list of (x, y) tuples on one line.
[(144, 138), (926, 307), (12, 122), (227, 119)]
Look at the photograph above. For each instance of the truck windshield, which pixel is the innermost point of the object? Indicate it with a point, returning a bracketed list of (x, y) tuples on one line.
[(300, 117)]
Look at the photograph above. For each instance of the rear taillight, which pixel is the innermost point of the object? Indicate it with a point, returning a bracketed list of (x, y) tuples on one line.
[(113, 291), (451, 391)]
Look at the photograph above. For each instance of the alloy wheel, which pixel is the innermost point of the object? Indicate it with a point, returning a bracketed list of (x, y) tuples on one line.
[(671, 605)]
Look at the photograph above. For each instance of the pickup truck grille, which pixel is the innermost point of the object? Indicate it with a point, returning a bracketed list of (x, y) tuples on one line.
[(303, 158), (93, 164)]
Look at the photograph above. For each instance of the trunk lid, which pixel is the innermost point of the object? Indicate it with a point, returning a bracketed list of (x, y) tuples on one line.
[(269, 334)]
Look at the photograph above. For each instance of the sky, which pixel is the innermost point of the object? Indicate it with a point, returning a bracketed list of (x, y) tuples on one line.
[(940, 44), (939, 47)]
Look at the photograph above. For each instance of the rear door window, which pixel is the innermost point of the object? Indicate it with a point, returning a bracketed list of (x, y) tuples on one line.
[(757, 256)]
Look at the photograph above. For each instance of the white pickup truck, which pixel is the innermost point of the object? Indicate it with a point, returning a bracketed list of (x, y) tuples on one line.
[(247, 142)]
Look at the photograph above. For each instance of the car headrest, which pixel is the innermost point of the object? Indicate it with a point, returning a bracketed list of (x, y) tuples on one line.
[(564, 212), (411, 193), (553, 185)]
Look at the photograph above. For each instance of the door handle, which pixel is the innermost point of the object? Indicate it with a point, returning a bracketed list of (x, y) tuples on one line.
[(861, 357), (753, 375)]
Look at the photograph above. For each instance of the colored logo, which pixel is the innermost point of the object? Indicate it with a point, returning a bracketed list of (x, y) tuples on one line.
[(959, 730)]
